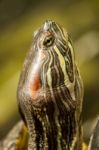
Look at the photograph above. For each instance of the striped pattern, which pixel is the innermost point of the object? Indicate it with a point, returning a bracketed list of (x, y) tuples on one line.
[(54, 116)]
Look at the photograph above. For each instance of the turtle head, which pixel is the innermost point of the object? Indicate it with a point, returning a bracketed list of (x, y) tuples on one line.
[(50, 63)]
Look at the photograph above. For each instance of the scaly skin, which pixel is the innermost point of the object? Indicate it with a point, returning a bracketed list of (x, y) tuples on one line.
[(50, 92)]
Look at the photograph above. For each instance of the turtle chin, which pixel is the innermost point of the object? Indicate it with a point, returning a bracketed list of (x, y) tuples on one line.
[(48, 116)]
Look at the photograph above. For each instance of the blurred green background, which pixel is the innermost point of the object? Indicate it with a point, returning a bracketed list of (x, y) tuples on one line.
[(18, 20)]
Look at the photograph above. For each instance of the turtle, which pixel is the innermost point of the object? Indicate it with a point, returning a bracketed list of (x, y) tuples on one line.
[(50, 96)]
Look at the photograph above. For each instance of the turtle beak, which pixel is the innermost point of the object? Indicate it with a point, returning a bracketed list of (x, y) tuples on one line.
[(47, 25)]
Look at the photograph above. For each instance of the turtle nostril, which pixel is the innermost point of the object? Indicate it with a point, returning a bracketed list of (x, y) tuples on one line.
[(47, 25)]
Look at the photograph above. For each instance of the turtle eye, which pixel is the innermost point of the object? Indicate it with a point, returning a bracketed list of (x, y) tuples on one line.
[(48, 41)]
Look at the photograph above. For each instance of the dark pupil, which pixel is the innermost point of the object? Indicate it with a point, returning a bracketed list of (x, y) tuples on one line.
[(48, 41)]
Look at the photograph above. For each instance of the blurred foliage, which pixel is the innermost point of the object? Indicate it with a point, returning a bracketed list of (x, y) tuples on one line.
[(18, 20)]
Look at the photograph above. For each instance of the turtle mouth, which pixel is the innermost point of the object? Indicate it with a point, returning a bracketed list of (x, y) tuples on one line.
[(47, 25)]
